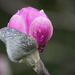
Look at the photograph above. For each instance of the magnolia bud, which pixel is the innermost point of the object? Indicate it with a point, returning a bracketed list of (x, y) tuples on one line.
[(22, 48), (18, 44)]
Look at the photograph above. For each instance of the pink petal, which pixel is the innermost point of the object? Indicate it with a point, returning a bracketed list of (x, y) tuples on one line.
[(41, 29), (29, 14), (17, 22)]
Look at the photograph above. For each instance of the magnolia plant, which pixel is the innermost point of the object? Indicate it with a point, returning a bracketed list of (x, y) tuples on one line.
[(26, 36)]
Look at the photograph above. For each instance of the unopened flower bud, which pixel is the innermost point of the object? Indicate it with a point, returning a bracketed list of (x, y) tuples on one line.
[(34, 23)]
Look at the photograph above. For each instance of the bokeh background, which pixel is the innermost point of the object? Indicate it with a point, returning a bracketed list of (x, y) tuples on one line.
[(59, 54)]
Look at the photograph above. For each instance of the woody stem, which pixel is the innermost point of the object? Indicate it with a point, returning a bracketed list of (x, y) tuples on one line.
[(40, 68)]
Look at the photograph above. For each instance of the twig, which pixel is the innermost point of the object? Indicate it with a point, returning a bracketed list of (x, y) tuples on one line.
[(40, 68)]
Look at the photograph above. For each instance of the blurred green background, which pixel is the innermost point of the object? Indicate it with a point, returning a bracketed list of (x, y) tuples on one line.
[(59, 54)]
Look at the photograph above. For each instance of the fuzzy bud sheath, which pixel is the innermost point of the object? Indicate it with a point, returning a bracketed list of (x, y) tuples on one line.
[(26, 35)]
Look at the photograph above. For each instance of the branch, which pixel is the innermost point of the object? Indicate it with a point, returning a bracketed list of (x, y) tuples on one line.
[(40, 68)]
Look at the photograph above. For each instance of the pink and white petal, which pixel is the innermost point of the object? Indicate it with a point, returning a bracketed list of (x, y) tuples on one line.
[(17, 22), (42, 13), (41, 29), (23, 13), (29, 14), (34, 13)]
